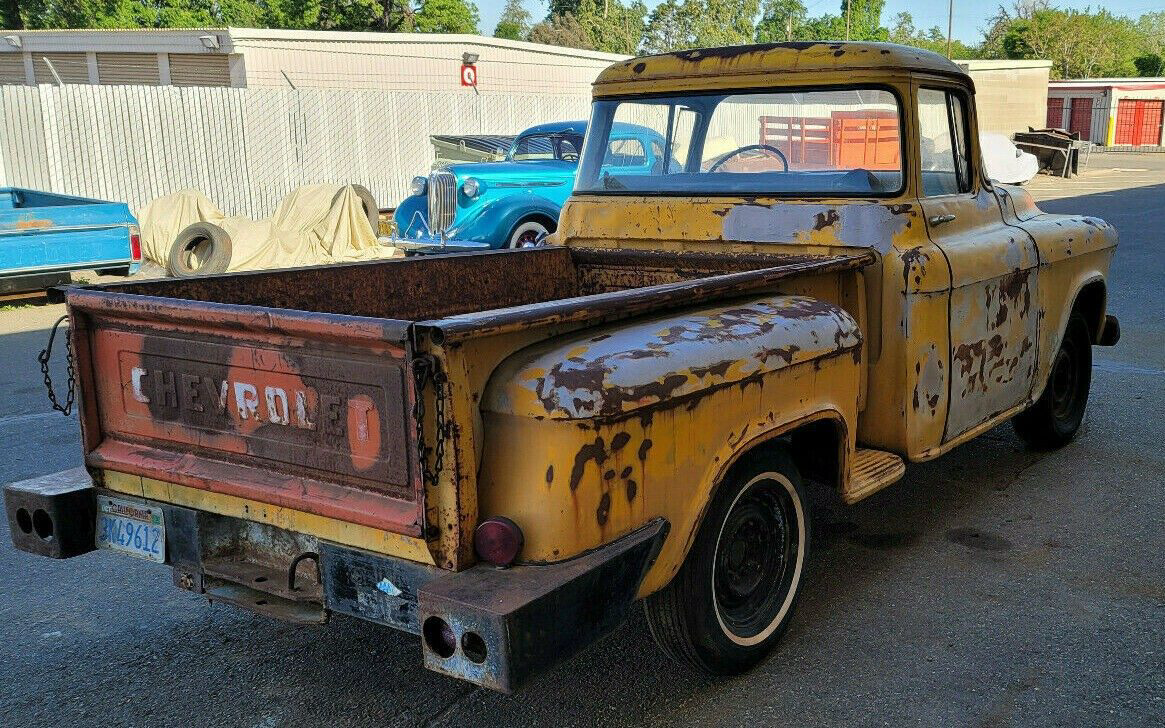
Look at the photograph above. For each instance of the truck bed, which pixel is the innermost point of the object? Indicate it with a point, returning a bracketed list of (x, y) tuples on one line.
[(453, 291), (297, 388)]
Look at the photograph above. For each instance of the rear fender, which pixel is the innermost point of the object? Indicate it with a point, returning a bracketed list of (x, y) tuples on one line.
[(642, 420)]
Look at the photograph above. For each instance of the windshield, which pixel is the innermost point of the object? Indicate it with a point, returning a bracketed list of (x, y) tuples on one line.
[(841, 141), (563, 147)]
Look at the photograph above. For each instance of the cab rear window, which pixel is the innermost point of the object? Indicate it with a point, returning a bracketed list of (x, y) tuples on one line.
[(836, 141)]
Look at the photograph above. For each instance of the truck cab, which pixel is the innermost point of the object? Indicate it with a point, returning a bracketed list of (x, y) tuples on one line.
[(503, 452)]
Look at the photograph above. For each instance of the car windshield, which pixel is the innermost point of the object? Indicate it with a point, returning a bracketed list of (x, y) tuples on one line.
[(564, 147), (826, 142)]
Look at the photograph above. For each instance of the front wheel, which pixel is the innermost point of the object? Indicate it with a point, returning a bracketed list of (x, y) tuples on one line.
[(1056, 416), (733, 598), (527, 234)]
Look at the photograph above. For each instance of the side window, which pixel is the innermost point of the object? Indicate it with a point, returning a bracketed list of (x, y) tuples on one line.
[(943, 148), (567, 150), (534, 147), (625, 153)]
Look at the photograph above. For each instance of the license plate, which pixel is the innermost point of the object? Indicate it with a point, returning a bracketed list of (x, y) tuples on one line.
[(131, 528)]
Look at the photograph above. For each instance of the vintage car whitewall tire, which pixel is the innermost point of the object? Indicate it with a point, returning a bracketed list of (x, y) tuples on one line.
[(734, 596), (526, 234)]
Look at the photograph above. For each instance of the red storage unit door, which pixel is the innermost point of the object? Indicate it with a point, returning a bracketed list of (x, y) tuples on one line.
[(1138, 121), (1056, 107), (1081, 122)]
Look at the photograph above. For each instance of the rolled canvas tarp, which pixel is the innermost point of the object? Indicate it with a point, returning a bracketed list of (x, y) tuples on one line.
[(313, 225)]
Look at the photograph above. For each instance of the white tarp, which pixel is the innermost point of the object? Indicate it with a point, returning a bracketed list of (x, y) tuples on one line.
[(1006, 163), (315, 224)]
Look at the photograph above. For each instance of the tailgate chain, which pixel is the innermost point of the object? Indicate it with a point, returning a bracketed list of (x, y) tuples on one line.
[(425, 368), (44, 356)]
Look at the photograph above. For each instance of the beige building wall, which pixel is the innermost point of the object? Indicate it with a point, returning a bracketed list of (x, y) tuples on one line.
[(412, 61), (248, 57), (1010, 95)]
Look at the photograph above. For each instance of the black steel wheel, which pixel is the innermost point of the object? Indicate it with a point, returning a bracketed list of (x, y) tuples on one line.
[(1057, 415), (734, 595)]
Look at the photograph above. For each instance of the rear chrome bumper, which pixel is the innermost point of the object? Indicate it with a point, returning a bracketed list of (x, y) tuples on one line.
[(489, 626)]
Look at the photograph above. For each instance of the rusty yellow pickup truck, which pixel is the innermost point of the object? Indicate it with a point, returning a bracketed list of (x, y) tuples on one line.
[(503, 452)]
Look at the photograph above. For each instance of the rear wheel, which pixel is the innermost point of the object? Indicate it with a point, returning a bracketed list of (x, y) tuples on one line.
[(527, 234), (733, 598), (1056, 416)]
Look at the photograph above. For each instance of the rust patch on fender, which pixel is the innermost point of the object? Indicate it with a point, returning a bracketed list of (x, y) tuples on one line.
[(825, 219), (604, 509), (594, 451)]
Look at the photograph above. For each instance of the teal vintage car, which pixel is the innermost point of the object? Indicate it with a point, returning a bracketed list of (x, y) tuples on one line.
[(513, 203)]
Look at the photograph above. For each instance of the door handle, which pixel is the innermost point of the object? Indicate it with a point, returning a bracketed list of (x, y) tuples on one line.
[(936, 220)]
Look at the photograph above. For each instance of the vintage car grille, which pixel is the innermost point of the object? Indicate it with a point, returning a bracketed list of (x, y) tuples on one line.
[(442, 201)]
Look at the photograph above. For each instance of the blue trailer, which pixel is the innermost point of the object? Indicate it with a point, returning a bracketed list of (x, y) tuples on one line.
[(44, 236)]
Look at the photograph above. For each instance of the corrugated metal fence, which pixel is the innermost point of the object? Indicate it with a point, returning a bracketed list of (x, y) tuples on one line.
[(245, 148)]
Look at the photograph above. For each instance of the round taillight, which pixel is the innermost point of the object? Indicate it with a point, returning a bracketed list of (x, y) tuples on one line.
[(498, 540)]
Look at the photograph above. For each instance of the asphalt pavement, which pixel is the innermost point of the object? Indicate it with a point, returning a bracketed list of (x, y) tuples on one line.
[(994, 586)]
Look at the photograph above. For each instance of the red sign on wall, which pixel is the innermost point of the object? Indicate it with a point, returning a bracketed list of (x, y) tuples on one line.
[(468, 75)]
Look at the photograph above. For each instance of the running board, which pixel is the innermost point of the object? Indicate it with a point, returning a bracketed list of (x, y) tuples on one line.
[(870, 471)]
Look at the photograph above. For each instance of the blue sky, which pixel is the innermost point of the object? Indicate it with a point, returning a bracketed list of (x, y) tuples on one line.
[(970, 15)]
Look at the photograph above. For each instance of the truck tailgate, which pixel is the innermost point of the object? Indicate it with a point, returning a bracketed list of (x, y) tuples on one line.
[(307, 411)]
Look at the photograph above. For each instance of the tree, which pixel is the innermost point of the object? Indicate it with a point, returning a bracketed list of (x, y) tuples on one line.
[(612, 26), (1151, 26), (903, 30), (1150, 65), (781, 20), (561, 30), (10, 18), (932, 39), (722, 22), (668, 29), (1080, 44), (514, 23), (446, 16)]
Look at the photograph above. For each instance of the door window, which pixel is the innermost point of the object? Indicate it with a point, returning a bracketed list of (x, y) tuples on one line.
[(943, 145)]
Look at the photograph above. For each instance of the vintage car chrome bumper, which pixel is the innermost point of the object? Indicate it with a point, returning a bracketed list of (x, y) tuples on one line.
[(431, 246), (489, 626)]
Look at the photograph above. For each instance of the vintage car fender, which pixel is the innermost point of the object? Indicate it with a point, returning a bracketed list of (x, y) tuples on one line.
[(493, 221), (592, 434), (412, 217), (490, 222)]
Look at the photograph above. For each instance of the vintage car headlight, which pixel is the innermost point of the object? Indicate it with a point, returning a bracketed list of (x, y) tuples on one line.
[(470, 187), (418, 185)]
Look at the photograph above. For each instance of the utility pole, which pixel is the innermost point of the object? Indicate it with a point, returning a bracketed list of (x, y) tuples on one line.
[(847, 4), (950, 24), (789, 27)]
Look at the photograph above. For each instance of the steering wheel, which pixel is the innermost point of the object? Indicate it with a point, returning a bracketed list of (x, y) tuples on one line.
[(747, 148)]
